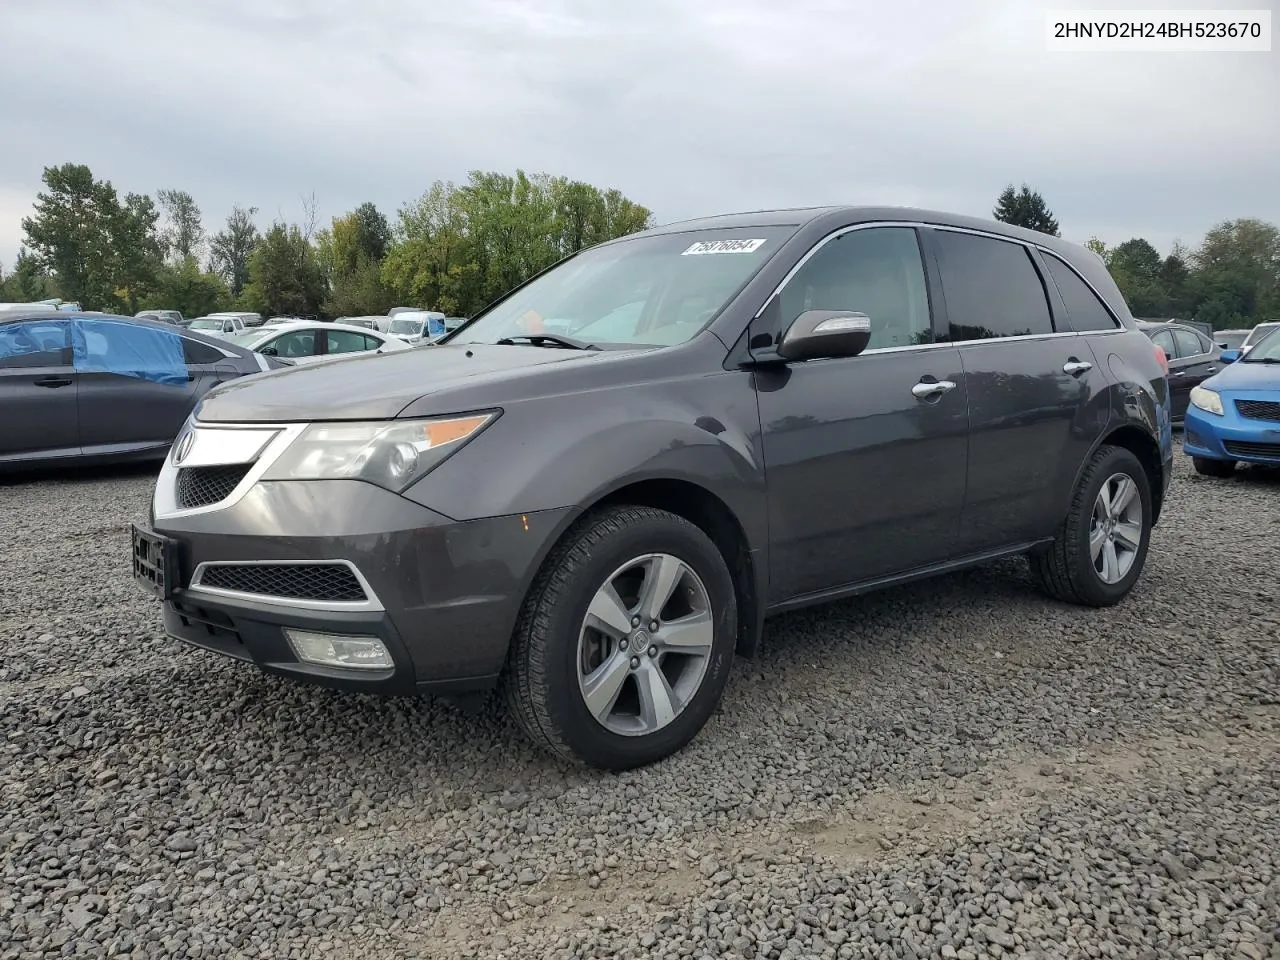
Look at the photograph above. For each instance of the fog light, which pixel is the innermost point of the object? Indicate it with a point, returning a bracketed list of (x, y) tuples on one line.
[(331, 650)]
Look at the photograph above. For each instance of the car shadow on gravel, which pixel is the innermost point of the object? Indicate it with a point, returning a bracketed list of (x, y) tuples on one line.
[(74, 474)]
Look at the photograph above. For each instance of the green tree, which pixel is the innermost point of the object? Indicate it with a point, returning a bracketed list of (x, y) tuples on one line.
[(1100, 248), (28, 282), (185, 287), (231, 248), (101, 252), (351, 254), (1024, 207), (285, 277), (183, 233), (1235, 277)]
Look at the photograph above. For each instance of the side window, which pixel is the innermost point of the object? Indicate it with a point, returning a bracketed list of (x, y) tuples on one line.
[(877, 271), (36, 343), (194, 353), (1087, 312), (228, 326), (992, 288), (1164, 340), (346, 341), (1189, 344), (297, 343)]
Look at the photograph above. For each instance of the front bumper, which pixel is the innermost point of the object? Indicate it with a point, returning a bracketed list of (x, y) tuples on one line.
[(1232, 436), (441, 595)]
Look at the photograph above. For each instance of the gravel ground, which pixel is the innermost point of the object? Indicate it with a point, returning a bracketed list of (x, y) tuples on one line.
[(953, 769)]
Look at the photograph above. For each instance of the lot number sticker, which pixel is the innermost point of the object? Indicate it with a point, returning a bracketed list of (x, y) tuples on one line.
[(723, 246)]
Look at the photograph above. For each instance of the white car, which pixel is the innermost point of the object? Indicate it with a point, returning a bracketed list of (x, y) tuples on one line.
[(225, 325), (415, 326), (1258, 332), (308, 341)]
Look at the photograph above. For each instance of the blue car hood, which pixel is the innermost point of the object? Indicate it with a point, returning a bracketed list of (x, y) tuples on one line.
[(1243, 375)]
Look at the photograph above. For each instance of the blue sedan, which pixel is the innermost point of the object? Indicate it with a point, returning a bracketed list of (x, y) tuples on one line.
[(1234, 416)]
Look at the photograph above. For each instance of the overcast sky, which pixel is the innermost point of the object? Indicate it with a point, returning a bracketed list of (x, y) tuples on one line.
[(690, 107)]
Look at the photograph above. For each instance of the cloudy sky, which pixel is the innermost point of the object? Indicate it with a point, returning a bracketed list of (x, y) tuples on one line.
[(688, 106)]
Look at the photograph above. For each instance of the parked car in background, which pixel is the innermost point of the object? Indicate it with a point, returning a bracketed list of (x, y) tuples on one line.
[(808, 404), (28, 307), (453, 323), (368, 323), (1193, 358), (1231, 339), (82, 386), (218, 325), (1257, 333), (1235, 416), (168, 316), (306, 341), (417, 326)]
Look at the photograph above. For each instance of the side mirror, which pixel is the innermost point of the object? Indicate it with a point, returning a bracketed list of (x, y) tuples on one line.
[(826, 333), (269, 352), (1229, 356)]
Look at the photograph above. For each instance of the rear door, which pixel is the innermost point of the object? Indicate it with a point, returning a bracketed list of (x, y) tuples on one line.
[(348, 341), (1036, 398), (135, 386), (38, 384), (1179, 382), (300, 346)]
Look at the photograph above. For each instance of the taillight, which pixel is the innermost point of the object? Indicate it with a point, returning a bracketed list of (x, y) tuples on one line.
[(1161, 358)]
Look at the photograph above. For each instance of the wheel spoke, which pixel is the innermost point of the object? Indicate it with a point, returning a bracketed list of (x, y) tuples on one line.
[(660, 580), (1104, 498), (1110, 563), (657, 702), (693, 634), (601, 688), (1126, 490), (1097, 540), (608, 614), (1129, 534)]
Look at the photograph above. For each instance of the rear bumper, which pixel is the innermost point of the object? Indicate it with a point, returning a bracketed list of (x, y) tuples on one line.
[(1231, 436), (441, 595)]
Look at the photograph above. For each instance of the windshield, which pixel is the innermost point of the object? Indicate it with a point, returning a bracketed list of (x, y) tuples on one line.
[(647, 291), (406, 323), (1260, 331), (1267, 349), (208, 324)]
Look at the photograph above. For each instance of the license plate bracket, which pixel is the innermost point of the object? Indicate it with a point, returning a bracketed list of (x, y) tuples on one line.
[(153, 562)]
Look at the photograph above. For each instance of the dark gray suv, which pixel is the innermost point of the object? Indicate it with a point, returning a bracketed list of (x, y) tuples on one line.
[(592, 494)]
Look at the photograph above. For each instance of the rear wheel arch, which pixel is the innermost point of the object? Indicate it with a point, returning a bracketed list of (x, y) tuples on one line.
[(1142, 445)]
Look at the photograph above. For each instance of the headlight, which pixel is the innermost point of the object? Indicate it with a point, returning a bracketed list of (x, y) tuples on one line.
[(1206, 400), (392, 455)]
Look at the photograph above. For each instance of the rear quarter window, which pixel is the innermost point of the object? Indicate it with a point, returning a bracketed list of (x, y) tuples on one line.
[(1085, 310)]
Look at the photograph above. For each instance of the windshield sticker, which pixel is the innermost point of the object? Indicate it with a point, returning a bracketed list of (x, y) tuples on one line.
[(723, 246)]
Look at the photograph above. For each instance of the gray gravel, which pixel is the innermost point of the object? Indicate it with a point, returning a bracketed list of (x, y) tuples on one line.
[(954, 769)]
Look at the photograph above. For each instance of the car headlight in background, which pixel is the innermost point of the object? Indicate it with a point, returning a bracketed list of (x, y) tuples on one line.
[(392, 454), (1206, 400)]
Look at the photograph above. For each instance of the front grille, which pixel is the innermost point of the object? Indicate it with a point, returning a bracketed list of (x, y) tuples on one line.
[(1259, 409), (1243, 449), (333, 582), (203, 486)]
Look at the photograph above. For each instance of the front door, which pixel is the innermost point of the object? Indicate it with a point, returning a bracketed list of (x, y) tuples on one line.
[(38, 413), (864, 456), (1196, 362)]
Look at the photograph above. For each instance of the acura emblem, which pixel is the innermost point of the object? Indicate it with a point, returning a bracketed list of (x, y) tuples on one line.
[(184, 447)]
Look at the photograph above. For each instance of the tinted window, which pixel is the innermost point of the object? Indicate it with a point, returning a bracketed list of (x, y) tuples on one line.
[(992, 288), (878, 272), (37, 343), (347, 341), (1164, 340), (195, 352), (1189, 344), (1084, 308), (298, 343)]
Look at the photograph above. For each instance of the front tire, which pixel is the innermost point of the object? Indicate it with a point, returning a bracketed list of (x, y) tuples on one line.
[(626, 639), (1213, 468), (1101, 547)]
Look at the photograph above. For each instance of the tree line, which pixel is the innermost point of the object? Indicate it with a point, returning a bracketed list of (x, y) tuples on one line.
[(458, 247), (455, 249), (1230, 280)]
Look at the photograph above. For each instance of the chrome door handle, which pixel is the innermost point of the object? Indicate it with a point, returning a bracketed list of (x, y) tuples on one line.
[(1076, 367), (935, 388)]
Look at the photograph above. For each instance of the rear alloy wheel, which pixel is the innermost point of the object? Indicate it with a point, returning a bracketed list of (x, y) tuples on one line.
[(626, 640), (1101, 547), (1213, 468)]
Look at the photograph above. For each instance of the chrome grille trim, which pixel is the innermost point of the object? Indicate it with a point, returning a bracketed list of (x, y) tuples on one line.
[(370, 604)]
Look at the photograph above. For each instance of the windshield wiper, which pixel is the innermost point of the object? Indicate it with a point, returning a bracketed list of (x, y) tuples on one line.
[(1261, 360), (545, 339)]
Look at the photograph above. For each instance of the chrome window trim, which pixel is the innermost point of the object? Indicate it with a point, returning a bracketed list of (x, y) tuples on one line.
[(920, 224), (164, 502), (1111, 311), (369, 605)]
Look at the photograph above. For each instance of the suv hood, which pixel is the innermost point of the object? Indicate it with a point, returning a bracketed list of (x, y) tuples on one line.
[(379, 387)]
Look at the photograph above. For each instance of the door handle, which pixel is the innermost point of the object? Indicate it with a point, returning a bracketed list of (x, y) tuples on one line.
[(1076, 367), (1176, 373), (1213, 370), (52, 382), (925, 390)]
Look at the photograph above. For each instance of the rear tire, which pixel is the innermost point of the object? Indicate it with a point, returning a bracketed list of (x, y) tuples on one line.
[(1213, 468), (1094, 560), (589, 683)]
